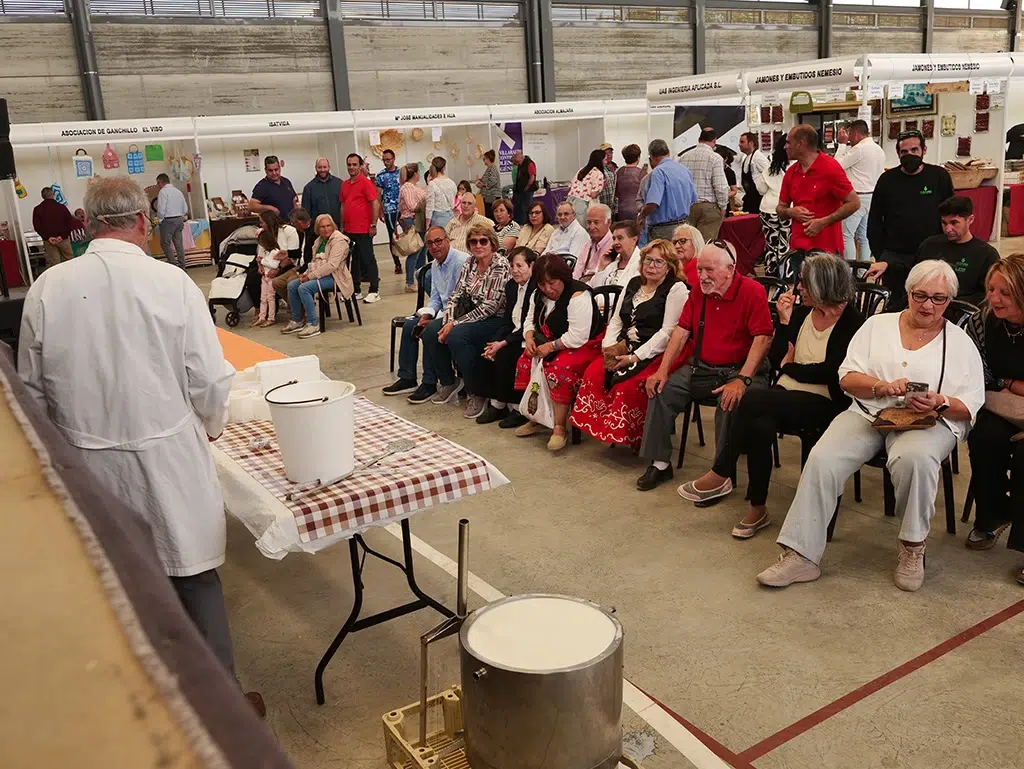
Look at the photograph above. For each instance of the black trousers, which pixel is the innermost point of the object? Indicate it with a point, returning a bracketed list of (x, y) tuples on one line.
[(497, 377), (203, 598), (389, 222), (762, 414), (364, 263), (998, 498)]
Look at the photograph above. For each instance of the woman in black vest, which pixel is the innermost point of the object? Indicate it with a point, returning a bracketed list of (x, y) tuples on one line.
[(612, 403), (563, 329), (497, 370)]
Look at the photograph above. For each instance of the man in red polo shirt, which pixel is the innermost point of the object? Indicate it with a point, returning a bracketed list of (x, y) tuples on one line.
[(730, 321), (360, 210), (815, 194)]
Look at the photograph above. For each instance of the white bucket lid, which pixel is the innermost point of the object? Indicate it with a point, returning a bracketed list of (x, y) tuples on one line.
[(307, 394)]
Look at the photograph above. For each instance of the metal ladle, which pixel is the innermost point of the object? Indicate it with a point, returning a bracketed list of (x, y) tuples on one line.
[(402, 444)]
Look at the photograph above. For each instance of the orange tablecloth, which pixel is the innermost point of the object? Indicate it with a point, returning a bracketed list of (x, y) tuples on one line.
[(243, 353)]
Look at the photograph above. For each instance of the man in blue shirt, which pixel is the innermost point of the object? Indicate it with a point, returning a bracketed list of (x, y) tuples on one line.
[(669, 196), (388, 183), (171, 212), (273, 192), (444, 274)]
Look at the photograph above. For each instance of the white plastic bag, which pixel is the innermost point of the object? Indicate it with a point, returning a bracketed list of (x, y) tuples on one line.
[(536, 403)]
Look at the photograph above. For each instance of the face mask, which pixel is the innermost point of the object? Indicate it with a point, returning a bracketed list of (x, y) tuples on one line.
[(910, 163)]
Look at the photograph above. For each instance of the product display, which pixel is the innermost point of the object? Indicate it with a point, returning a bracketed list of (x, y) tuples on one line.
[(981, 101), (154, 152), (777, 114), (963, 146), (949, 125), (928, 129), (766, 114), (133, 159), (910, 125), (416, 134), (390, 139), (83, 165), (894, 129), (981, 122), (110, 159)]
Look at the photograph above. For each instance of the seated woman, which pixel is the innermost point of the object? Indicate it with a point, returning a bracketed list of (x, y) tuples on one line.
[(537, 231), (688, 242), (507, 229), (472, 316), (994, 452), (497, 370), (563, 328), (327, 271), (612, 402), (890, 352), (810, 344), (622, 263)]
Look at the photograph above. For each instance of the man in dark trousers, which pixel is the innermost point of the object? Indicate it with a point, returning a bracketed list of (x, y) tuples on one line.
[(970, 257), (54, 224), (524, 184), (361, 211), (321, 195), (751, 167), (905, 211)]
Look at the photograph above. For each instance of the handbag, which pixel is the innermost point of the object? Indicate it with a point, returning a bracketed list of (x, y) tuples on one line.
[(1007, 406), (536, 401), (408, 243)]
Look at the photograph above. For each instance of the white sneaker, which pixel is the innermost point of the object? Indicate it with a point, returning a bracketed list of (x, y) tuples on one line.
[(909, 574), (360, 296), (371, 298), (293, 326), (789, 568), (309, 331)]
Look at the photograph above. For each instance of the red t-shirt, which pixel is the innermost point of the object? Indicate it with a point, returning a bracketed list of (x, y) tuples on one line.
[(356, 204), (820, 189), (730, 322), (690, 273)]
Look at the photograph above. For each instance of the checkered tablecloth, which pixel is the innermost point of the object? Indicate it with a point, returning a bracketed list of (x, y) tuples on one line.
[(434, 472)]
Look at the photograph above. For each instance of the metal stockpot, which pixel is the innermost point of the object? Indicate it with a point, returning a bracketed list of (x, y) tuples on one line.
[(548, 715)]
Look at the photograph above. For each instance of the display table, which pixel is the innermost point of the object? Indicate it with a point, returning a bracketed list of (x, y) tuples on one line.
[(221, 228), (985, 199), (11, 267), (398, 487), (745, 233)]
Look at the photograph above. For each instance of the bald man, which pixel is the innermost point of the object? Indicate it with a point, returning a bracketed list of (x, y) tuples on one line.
[(322, 194)]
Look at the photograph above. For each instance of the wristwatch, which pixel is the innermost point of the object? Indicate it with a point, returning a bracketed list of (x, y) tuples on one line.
[(1001, 383), (944, 406), (745, 379)]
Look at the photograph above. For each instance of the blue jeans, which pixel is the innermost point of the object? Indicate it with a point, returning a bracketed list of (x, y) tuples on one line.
[(300, 297), (855, 232), (409, 352), (441, 218), (464, 345), (413, 261)]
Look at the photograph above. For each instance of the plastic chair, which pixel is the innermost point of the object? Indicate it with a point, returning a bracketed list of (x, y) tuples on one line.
[(609, 298), (569, 260), (871, 299), (773, 287), (399, 320)]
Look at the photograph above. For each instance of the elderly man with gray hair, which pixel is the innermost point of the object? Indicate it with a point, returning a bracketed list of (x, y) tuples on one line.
[(728, 357), (599, 227), (119, 349), (670, 194)]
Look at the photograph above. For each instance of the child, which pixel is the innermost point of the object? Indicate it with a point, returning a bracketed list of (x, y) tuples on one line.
[(464, 188), (268, 259)]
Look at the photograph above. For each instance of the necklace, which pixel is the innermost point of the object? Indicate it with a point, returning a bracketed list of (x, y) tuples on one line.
[(1012, 334), (920, 336)]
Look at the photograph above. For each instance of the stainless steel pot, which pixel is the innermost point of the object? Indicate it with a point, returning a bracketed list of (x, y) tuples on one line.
[(523, 716)]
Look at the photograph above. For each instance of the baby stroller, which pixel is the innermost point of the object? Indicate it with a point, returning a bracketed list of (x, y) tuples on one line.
[(236, 263)]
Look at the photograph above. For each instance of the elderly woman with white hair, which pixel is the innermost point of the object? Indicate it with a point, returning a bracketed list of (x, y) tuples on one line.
[(926, 374), (688, 243)]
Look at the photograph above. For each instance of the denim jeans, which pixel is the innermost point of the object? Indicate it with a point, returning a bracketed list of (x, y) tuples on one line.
[(413, 261), (300, 297), (409, 351), (855, 232), (464, 345), (441, 218)]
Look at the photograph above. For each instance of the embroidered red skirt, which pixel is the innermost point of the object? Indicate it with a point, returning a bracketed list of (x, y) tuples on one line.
[(564, 371)]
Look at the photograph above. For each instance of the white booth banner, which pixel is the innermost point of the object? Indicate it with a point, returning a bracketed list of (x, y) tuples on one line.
[(228, 126), (428, 116), (618, 107), (803, 75), (694, 88), (568, 110), (141, 130), (932, 68)]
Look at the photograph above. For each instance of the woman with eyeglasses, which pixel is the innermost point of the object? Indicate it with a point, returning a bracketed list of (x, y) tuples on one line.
[(563, 329), (776, 230), (915, 360), (998, 331), (537, 231), (688, 242), (612, 402), (810, 344)]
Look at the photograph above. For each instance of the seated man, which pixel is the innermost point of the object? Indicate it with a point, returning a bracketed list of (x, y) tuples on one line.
[(444, 272), (728, 356), (569, 237), (599, 222), (458, 227), (623, 263), (297, 262), (970, 257)]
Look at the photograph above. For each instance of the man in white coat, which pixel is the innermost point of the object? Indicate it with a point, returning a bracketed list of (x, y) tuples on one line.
[(120, 351)]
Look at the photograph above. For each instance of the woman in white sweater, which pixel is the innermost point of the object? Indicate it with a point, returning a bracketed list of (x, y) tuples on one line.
[(776, 230), (441, 192)]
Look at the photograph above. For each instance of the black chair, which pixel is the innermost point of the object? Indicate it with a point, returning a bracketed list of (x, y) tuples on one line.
[(609, 297), (399, 320), (871, 298), (569, 260), (773, 287), (351, 305)]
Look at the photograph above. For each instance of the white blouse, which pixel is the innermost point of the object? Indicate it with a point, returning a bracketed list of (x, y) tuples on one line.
[(613, 276), (677, 296), (441, 196), (769, 185), (287, 240), (581, 315), (877, 350), (517, 310)]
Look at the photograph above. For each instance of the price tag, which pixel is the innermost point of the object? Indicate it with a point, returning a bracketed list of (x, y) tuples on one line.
[(864, 113), (896, 89), (993, 85), (975, 87), (374, 138), (876, 90), (435, 133), (835, 94), (770, 97), (998, 101)]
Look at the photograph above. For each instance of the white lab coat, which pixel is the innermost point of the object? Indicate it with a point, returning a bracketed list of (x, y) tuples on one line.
[(120, 351)]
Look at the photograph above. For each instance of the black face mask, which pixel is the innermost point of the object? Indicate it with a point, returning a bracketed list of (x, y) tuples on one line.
[(910, 163)]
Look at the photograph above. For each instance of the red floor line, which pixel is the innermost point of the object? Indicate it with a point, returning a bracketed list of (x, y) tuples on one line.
[(817, 717), (709, 742)]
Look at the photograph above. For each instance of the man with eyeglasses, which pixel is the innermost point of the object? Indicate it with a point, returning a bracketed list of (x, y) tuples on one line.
[(466, 217), (732, 326), (444, 273), (273, 192), (905, 211), (569, 236)]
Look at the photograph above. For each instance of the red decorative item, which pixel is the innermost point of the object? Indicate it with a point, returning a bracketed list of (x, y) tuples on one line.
[(777, 116), (963, 146), (981, 122), (766, 141), (928, 129), (876, 107), (910, 125), (981, 102), (876, 128), (766, 114), (894, 129)]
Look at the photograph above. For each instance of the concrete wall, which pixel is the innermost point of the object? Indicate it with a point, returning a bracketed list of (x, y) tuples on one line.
[(730, 48), (155, 70), (434, 65), (39, 77), (603, 61), (847, 41), (978, 40)]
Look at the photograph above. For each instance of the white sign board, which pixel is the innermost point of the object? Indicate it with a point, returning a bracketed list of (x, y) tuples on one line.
[(228, 126), (386, 118), (802, 76), (142, 130), (503, 113), (694, 88)]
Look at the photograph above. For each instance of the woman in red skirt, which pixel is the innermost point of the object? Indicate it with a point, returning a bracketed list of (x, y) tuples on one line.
[(563, 329), (612, 402)]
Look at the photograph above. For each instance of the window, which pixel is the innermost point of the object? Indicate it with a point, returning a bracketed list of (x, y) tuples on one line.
[(427, 10), (34, 7)]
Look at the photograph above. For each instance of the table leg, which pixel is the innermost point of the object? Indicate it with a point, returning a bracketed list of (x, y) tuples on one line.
[(354, 623)]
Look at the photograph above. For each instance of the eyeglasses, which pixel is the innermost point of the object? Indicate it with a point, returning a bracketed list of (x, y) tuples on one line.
[(436, 241), (536, 212), (478, 241), (681, 241), (936, 299), (654, 261), (727, 247), (912, 134)]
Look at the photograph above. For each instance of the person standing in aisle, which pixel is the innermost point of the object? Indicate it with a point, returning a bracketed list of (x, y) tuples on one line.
[(273, 192), (608, 192), (321, 195), (670, 194), (388, 184), (361, 210), (627, 183), (863, 162), (708, 172), (54, 224), (171, 213), (905, 211), (441, 192), (524, 184), (489, 184), (752, 165)]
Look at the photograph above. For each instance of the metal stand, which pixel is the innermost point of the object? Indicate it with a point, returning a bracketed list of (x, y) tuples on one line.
[(354, 623)]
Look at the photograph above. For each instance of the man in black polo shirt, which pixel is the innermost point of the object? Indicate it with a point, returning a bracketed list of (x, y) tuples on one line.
[(274, 192), (905, 211), (970, 257)]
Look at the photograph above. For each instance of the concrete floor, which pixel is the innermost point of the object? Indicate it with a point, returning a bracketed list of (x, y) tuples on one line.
[(737, 661)]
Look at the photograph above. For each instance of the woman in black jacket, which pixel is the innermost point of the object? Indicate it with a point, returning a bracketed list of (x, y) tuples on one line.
[(808, 349), (498, 367)]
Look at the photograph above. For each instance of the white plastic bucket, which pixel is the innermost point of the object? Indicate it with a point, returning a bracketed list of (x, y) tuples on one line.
[(313, 422)]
